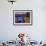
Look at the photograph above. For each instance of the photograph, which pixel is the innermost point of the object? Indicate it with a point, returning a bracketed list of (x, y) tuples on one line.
[(22, 17)]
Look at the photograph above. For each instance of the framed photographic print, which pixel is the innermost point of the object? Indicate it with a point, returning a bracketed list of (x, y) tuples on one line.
[(22, 17)]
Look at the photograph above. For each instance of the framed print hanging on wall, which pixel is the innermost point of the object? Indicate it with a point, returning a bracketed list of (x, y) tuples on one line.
[(22, 17)]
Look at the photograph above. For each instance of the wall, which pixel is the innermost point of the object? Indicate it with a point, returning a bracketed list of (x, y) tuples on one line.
[(37, 31)]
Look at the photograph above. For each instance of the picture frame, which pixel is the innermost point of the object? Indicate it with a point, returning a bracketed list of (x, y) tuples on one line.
[(22, 17)]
